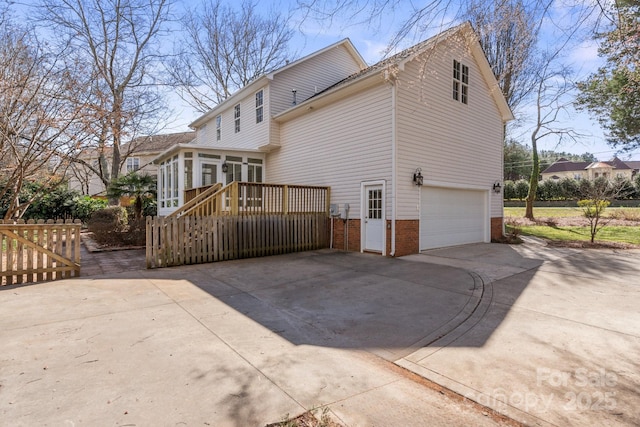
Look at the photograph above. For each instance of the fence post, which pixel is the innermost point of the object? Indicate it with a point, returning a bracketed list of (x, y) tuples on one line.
[(234, 198), (285, 199)]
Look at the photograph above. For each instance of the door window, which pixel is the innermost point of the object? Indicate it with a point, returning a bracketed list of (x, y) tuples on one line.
[(375, 204)]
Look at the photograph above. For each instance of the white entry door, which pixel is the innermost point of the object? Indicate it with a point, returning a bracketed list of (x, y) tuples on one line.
[(373, 229)]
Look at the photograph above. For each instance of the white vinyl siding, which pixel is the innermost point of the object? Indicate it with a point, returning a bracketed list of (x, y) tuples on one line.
[(252, 135), (454, 144), (317, 73), (339, 146)]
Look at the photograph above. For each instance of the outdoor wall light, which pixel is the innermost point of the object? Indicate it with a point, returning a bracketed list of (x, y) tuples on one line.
[(225, 167), (417, 177), (497, 187)]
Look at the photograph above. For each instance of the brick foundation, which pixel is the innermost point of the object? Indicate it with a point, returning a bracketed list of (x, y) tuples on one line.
[(339, 235), (407, 237), (496, 228)]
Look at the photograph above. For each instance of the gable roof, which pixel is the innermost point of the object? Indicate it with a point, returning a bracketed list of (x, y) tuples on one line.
[(564, 165), (346, 43), (157, 143), (407, 55), (633, 164)]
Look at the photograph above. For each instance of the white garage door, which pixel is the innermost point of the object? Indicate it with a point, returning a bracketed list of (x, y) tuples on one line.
[(451, 216)]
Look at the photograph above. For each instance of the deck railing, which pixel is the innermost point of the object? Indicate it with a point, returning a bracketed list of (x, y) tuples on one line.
[(253, 198)]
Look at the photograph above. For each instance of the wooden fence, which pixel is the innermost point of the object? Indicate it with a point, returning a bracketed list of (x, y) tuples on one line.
[(33, 252), (193, 240)]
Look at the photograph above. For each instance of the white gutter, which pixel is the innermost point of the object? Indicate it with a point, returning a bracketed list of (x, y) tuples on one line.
[(393, 168)]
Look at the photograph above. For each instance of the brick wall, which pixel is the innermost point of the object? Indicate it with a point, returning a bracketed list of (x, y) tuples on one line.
[(339, 226), (496, 228), (407, 237)]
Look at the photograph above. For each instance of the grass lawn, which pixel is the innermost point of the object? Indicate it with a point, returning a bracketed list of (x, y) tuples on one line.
[(607, 234), (565, 212)]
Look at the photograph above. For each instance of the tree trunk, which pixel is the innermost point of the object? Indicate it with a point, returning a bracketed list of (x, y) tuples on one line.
[(533, 180)]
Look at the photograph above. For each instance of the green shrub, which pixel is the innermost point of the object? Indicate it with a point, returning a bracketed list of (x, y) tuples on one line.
[(593, 208), (85, 206), (521, 189)]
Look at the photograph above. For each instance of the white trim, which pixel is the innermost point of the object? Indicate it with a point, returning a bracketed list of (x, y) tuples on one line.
[(442, 184), (363, 206), (394, 160)]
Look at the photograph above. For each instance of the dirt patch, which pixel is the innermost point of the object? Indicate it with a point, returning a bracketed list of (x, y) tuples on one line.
[(308, 419), (589, 245), (577, 221)]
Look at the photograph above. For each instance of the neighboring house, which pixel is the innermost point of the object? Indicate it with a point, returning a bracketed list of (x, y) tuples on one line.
[(612, 169), (137, 155), (411, 147)]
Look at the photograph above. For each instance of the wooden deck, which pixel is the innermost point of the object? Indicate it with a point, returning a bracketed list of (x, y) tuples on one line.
[(240, 220)]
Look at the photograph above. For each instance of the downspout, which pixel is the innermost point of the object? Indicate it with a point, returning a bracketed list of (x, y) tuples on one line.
[(393, 168)]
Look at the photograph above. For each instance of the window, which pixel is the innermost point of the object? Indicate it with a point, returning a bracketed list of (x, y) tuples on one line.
[(218, 127), (133, 164), (234, 169), (188, 170), (577, 176), (254, 174), (168, 194), (209, 174), (236, 117), (254, 170), (259, 103), (375, 204), (460, 82)]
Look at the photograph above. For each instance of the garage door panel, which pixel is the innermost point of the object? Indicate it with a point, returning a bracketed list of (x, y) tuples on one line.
[(451, 216)]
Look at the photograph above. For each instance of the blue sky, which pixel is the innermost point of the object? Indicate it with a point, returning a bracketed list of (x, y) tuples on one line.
[(372, 40)]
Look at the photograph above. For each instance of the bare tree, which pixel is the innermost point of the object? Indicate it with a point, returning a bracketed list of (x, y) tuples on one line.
[(39, 108), (508, 33), (118, 41), (552, 99), (596, 197), (224, 50)]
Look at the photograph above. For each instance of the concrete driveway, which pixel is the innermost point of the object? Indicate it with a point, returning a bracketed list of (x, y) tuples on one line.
[(546, 336), (556, 340)]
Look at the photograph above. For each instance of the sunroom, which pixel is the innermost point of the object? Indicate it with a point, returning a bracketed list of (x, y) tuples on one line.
[(186, 170)]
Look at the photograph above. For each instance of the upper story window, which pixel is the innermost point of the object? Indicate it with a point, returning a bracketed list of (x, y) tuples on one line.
[(133, 164), (460, 82), (259, 106), (218, 127), (236, 117)]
